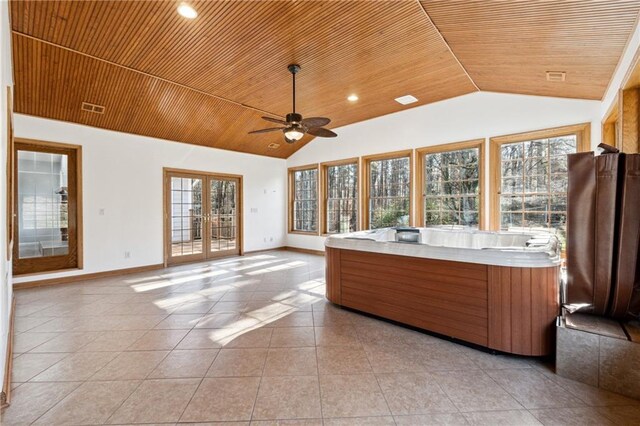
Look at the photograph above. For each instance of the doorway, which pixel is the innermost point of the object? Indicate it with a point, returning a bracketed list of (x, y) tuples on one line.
[(47, 194), (203, 215)]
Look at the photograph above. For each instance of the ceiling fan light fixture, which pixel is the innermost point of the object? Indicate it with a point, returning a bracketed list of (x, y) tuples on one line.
[(187, 11), (352, 97), (293, 133)]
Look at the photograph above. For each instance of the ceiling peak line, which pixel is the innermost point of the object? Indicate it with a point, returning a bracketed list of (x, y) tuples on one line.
[(424, 11), (261, 111)]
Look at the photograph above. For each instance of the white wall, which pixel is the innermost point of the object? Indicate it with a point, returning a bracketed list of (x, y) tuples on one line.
[(474, 116), (5, 266), (122, 174)]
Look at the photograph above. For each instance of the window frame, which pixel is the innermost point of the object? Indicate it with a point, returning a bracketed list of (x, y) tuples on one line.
[(291, 185), (365, 175), (421, 153), (324, 190), (583, 144), (45, 146)]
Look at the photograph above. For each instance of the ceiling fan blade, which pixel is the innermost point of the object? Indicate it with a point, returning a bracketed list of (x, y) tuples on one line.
[(272, 129), (275, 120), (321, 132), (315, 121)]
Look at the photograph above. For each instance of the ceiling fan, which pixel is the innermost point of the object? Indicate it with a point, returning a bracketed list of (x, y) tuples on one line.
[(295, 126)]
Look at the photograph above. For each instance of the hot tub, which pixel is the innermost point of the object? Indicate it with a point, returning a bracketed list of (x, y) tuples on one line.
[(494, 289)]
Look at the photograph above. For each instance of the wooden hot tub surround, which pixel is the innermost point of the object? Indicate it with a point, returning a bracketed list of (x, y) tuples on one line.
[(509, 309)]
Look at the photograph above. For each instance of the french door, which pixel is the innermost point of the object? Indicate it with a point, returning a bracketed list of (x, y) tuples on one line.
[(203, 215)]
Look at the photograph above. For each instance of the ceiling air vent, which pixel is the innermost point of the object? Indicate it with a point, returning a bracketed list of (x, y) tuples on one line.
[(97, 109), (406, 100), (273, 145), (556, 75)]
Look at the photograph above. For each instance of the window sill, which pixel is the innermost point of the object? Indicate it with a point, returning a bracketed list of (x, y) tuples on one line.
[(311, 233)]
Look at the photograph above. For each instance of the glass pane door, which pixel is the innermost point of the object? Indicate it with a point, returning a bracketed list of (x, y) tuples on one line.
[(223, 216), (186, 220), (46, 209)]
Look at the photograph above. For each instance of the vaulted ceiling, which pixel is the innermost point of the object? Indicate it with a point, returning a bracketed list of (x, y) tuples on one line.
[(208, 81)]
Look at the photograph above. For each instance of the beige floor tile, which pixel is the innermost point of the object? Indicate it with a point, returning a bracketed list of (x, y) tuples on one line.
[(201, 339), (533, 390), (31, 400), (222, 399), (443, 357), (158, 340), (506, 418), (291, 337), (361, 421), (591, 395), (194, 308), (624, 415), (289, 422), (113, 341), (179, 322), (67, 342), (24, 342), (26, 366), (156, 401), (394, 359), (352, 396), (337, 336), (255, 338), (238, 363), (288, 398), (414, 393), (488, 361), (76, 367), (573, 417), (23, 324), (291, 319), (56, 325), (130, 366), (136, 309), (220, 320), (474, 390), (91, 403), (184, 364), (229, 307), (291, 362), (432, 419), (342, 360)]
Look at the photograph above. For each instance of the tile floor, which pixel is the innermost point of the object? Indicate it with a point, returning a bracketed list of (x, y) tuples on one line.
[(251, 340)]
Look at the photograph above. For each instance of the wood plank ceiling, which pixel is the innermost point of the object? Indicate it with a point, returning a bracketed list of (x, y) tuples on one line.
[(207, 81)]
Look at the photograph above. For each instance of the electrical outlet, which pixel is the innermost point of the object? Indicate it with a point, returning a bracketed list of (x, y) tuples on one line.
[(265, 239), (271, 239), (127, 254), (101, 212)]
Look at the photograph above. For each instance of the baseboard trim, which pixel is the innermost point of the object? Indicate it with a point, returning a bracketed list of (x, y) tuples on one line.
[(83, 277), (5, 396), (304, 250), (264, 250)]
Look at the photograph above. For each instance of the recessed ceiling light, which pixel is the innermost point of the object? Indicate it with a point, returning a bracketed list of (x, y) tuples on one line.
[(406, 100), (352, 98), (187, 11)]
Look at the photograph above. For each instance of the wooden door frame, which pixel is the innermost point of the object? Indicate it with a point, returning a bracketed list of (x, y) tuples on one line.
[(51, 146), (166, 243)]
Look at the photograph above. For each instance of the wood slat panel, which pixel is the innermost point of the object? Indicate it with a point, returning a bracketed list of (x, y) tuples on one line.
[(523, 306), (235, 50), (53, 82), (426, 293), (507, 46), (332, 272)]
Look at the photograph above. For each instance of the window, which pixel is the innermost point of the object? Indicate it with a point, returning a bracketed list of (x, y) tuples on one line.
[(340, 188), (388, 190), (529, 188), (450, 179), (48, 231), (303, 198)]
